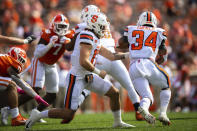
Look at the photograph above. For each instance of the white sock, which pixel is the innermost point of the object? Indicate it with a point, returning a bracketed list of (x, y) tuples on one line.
[(145, 103), (14, 112), (117, 116), (165, 96), (44, 114), (81, 99)]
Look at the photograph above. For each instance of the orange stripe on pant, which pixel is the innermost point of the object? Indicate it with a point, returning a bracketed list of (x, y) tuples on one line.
[(165, 74), (35, 72), (69, 91)]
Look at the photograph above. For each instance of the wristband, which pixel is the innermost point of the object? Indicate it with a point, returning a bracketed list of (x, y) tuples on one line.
[(96, 71)]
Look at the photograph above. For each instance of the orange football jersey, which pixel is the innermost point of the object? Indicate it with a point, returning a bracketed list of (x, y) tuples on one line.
[(57, 50), (7, 61)]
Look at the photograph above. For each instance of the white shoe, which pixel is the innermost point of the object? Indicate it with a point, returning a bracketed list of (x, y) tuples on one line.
[(147, 116), (164, 119), (35, 116), (122, 124), (42, 121), (4, 115)]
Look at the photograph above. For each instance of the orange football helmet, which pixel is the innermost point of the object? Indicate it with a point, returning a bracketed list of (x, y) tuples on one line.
[(60, 25), (18, 54)]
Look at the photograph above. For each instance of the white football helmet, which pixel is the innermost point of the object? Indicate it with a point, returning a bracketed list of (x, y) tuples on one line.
[(60, 25), (98, 23), (87, 11), (147, 18)]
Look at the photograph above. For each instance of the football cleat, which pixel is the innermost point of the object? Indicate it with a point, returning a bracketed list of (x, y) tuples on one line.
[(147, 116), (35, 116), (19, 120), (138, 116), (164, 119), (4, 115), (122, 125)]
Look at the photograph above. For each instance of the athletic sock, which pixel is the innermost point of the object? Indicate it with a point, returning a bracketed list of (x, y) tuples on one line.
[(145, 103), (117, 116), (44, 114), (14, 112), (165, 96)]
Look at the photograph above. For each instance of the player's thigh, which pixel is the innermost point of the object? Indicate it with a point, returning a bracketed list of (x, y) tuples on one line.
[(4, 83), (120, 73), (38, 73), (159, 77), (51, 79), (136, 71), (103, 63), (74, 88), (99, 85)]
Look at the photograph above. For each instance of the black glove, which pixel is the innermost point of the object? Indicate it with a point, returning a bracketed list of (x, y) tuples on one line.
[(89, 78), (29, 39)]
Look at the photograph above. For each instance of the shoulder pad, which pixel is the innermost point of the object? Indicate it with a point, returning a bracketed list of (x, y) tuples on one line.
[(86, 36)]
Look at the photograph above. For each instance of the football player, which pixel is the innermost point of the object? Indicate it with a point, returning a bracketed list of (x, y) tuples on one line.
[(84, 74), (114, 68), (11, 65), (145, 41), (16, 41), (51, 46)]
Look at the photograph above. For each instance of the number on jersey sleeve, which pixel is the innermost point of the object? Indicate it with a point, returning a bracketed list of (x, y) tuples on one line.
[(94, 55), (150, 40)]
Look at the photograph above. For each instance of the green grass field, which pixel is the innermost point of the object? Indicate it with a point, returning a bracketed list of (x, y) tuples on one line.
[(87, 122)]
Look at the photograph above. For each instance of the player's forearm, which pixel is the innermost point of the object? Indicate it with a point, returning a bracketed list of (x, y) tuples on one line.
[(26, 87), (120, 56), (11, 40), (85, 63)]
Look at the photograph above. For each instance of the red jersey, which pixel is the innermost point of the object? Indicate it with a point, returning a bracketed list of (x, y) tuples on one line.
[(7, 61), (58, 49)]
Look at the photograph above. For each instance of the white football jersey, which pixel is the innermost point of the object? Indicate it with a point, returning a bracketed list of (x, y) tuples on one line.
[(80, 27), (144, 41), (107, 41), (85, 37)]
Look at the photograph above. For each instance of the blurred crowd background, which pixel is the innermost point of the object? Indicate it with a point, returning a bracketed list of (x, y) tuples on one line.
[(21, 18)]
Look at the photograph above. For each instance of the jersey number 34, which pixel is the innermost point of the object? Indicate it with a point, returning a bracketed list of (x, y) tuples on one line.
[(150, 40)]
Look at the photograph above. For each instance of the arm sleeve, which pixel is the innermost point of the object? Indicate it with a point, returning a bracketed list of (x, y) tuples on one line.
[(41, 50), (86, 38)]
